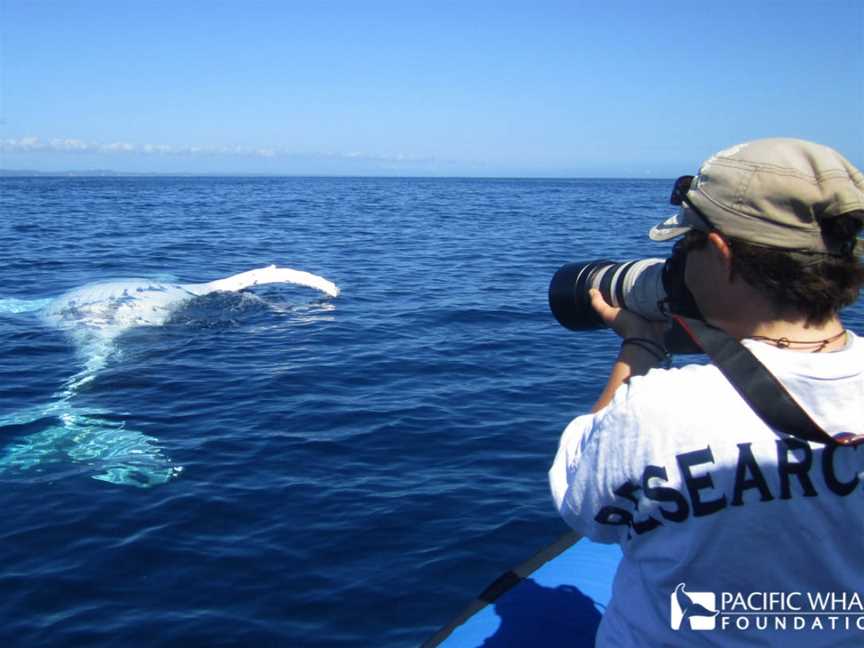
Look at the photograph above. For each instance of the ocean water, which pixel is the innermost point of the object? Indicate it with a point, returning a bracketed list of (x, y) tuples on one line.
[(277, 467)]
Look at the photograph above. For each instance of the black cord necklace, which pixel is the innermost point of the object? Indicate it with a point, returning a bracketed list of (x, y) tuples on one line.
[(785, 343)]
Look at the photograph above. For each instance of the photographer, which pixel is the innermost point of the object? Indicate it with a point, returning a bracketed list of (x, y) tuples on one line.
[(675, 464)]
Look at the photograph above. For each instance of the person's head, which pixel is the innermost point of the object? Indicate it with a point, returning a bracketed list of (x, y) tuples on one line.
[(783, 216)]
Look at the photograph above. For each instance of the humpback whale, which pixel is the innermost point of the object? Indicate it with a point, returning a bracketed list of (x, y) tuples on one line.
[(94, 316)]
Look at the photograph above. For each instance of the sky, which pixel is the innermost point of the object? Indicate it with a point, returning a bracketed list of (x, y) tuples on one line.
[(535, 88)]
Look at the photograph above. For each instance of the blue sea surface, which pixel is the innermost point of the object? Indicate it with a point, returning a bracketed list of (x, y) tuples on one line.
[(334, 472)]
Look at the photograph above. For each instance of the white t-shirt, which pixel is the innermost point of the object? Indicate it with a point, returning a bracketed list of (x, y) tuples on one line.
[(705, 498)]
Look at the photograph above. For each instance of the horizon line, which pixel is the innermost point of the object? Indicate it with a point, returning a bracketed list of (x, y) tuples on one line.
[(107, 173)]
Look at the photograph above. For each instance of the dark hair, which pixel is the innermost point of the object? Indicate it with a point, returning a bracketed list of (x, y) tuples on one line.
[(815, 285)]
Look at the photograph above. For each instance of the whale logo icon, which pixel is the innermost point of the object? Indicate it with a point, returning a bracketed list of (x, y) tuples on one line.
[(696, 609)]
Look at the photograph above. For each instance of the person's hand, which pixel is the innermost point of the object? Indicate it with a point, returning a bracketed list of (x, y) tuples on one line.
[(626, 323)]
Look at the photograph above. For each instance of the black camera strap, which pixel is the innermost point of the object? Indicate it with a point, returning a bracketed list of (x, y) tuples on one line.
[(759, 388)]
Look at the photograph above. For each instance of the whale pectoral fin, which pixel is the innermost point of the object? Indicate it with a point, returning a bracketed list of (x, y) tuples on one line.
[(269, 275)]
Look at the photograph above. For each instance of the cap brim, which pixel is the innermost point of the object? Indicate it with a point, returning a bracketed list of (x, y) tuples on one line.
[(672, 227)]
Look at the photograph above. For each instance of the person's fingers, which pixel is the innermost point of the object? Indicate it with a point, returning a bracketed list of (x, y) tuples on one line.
[(625, 323), (606, 312)]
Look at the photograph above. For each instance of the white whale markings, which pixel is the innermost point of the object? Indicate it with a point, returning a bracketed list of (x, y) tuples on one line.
[(93, 316)]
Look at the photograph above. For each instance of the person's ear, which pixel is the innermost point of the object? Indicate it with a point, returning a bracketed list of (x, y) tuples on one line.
[(720, 249)]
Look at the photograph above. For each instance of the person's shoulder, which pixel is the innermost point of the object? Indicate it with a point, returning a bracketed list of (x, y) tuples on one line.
[(653, 417), (676, 386), (673, 403)]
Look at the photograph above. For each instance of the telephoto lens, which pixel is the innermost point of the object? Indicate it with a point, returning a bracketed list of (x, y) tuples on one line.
[(635, 285)]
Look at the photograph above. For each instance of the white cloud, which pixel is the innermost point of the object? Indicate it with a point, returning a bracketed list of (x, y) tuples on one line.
[(77, 146)]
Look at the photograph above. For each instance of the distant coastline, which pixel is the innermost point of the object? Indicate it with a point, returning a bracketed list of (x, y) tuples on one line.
[(108, 173)]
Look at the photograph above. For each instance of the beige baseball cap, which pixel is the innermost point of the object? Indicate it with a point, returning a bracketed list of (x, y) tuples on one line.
[(772, 192)]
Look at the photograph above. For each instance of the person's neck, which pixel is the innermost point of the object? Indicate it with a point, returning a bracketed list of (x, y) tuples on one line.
[(792, 333)]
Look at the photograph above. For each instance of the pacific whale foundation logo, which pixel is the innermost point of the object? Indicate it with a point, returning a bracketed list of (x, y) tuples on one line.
[(693, 610), (767, 611)]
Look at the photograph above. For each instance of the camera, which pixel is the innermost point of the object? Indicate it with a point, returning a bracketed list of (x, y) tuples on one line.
[(652, 288), (634, 285)]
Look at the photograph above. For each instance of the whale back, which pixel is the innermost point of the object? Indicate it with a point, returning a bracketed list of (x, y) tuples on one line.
[(122, 304)]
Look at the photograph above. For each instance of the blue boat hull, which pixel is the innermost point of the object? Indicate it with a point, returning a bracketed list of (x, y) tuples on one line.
[(556, 598)]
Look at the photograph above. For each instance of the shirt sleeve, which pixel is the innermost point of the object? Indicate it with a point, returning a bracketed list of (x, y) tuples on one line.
[(591, 463)]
